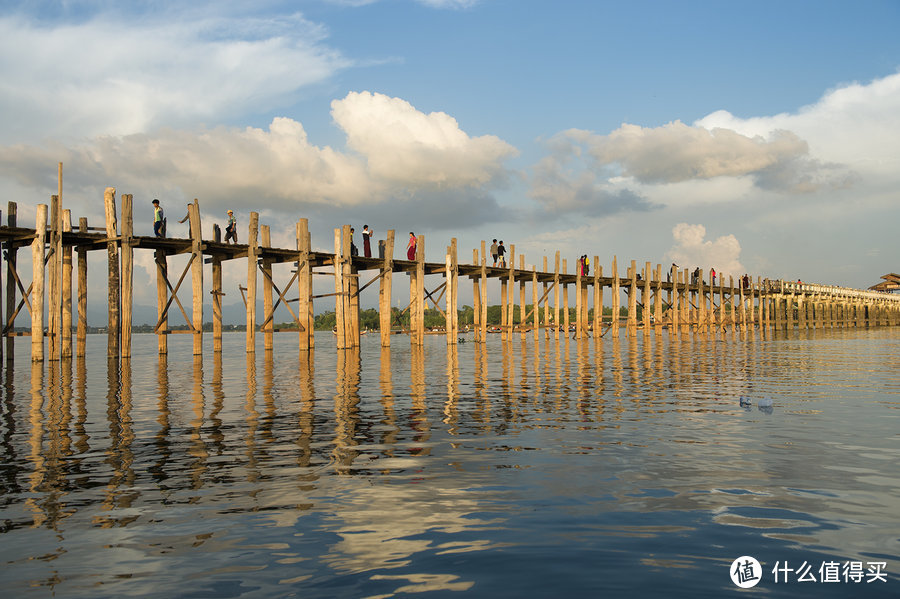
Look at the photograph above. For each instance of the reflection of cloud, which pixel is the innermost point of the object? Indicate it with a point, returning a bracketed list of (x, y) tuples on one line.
[(691, 249)]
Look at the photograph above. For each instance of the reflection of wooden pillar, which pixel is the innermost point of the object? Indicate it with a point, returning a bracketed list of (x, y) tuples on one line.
[(112, 262), (615, 298), (81, 327), (304, 286), (127, 273), (66, 345), (252, 249), (37, 287), (266, 266), (11, 253), (197, 276)]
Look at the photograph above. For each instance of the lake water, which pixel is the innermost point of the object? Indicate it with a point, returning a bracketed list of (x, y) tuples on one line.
[(577, 469)]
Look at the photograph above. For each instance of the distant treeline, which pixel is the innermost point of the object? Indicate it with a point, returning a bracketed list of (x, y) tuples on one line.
[(369, 319)]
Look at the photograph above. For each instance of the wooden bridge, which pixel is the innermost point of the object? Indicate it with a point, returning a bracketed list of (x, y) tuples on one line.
[(673, 301)]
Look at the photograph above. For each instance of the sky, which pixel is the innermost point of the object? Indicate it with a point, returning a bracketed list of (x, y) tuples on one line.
[(759, 138)]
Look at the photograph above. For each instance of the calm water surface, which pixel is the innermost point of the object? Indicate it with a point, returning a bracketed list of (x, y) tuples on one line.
[(570, 469)]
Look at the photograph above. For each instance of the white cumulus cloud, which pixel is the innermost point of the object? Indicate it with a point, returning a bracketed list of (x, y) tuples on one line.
[(692, 249)]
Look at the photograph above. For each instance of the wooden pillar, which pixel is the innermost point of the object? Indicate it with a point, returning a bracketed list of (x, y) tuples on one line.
[(304, 287), (265, 237), (162, 296), (351, 273), (546, 302), (556, 296), (252, 251), (11, 254), (197, 275), (614, 321), (339, 286), (565, 301), (419, 329), (476, 299), (453, 287), (81, 326), (127, 273), (631, 328), (484, 295), (534, 305), (217, 294), (657, 303), (700, 310), (504, 320), (511, 288), (448, 298), (54, 272), (645, 298), (37, 286), (598, 299), (522, 294), (579, 324), (66, 341), (112, 260)]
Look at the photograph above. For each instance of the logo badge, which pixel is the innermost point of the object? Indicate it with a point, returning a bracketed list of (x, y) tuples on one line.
[(745, 572)]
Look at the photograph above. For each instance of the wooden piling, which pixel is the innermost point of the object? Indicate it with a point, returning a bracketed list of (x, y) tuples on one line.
[(268, 328), (11, 254), (217, 293), (484, 294), (598, 299), (476, 299), (556, 296), (66, 341), (127, 273), (252, 252), (565, 301), (162, 296), (307, 323), (113, 337), (418, 329), (54, 274), (197, 276), (37, 286), (614, 321), (81, 326)]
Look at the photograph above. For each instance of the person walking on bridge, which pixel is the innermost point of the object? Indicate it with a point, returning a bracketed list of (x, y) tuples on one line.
[(231, 228), (411, 246), (159, 220), (501, 255), (494, 252)]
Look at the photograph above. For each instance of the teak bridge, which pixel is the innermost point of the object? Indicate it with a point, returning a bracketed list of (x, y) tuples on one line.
[(689, 305)]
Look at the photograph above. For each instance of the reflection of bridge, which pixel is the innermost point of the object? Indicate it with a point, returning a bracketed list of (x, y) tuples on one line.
[(689, 304)]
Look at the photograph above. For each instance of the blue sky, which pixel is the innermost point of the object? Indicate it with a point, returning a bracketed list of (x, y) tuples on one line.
[(752, 137)]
